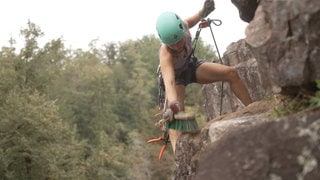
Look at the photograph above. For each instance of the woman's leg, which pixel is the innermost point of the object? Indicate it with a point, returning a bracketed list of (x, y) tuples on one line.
[(213, 72), (173, 136)]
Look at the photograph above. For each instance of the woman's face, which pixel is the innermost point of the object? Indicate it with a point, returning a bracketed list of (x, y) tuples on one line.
[(179, 46)]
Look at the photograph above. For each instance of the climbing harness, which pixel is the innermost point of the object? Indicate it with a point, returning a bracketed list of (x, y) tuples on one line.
[(162, 100)]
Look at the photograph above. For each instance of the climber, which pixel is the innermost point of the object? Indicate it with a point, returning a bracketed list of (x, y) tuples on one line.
[(179, 67)]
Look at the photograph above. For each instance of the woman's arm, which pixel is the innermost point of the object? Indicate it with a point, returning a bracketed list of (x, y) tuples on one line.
[(193, 20), (207, 8), (167, 70)]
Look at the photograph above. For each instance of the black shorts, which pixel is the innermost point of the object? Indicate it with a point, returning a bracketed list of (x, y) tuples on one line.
[(188, 76)]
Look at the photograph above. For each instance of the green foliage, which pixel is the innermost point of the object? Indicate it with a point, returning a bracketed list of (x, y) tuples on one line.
[(35, 142), (290, 106), (303, 100), (74, 114), (8, 77), (315, 101), (31, 35)]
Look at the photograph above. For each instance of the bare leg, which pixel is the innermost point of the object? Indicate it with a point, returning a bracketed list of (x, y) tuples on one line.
[(213, 72), (174, 135), (239, 89)]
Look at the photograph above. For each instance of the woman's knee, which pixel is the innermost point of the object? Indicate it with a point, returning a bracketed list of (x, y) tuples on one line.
[(233, 74)]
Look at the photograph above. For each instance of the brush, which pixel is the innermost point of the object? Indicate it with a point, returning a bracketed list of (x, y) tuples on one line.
[(185, 122)]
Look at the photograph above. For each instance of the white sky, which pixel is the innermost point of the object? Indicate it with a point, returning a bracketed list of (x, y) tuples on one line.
[(78, 22)]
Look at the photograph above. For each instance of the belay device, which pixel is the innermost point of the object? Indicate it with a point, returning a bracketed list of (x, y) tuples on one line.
[(162, 101)]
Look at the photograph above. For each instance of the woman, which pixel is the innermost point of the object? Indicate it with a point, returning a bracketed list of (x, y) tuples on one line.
[(179, 67)]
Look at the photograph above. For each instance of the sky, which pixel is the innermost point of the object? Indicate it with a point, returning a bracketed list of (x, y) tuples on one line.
[(78, 22)]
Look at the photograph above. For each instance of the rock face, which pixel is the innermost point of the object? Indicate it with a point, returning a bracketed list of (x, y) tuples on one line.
[(246, 8), (281, 51), (190, 147), (220, 101), (284, 149), (248, 145), (285, 40)]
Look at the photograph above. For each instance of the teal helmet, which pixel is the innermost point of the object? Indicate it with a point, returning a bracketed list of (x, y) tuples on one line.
[(170, 28)]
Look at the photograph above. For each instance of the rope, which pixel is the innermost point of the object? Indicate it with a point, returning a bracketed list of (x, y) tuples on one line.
[(207, 23)]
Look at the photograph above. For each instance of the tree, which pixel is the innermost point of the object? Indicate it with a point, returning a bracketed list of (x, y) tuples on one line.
[(74, 114), (35, 142)]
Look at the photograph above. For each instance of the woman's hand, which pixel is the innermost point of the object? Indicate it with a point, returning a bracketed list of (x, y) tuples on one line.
[(208, 7), (174, 108)]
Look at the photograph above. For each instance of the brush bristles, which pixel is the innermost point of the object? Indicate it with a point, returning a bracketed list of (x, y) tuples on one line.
[(184, 125)]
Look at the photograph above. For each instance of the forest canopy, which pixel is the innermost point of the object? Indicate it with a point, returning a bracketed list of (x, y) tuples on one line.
[(82, 114)]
